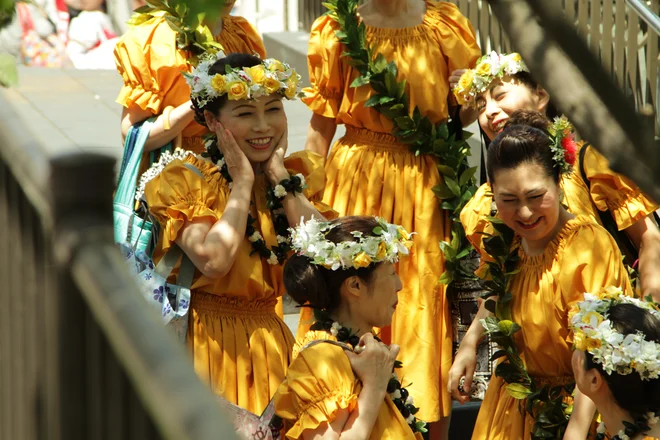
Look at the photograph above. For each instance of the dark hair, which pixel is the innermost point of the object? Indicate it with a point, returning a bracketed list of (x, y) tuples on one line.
[(233, 60), (317, 287), (630, 392), (528, 117), (527, 79), (518, 144)]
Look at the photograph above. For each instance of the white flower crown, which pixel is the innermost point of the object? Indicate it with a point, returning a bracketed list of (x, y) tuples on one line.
[(388, 242), (593, 332), (271, 76), (488, 68)]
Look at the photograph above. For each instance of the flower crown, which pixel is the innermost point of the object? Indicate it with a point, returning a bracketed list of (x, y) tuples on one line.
[(593, 332), (488, 68), (563, 145), (388, 242), (269, 77)]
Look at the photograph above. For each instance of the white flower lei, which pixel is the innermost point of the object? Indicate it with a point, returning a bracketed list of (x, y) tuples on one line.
[(593, 332), (390, 241), (488, 68)]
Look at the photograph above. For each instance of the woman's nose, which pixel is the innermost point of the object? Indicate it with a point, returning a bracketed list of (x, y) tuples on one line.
[(524, 213)]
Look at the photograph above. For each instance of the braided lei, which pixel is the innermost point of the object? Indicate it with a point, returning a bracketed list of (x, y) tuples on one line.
[(399, 394)]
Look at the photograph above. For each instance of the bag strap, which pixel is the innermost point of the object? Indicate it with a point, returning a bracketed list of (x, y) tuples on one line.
[(627, 247), (130, 165)]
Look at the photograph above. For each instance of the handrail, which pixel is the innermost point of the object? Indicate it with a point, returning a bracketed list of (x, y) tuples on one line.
[(646, 14)]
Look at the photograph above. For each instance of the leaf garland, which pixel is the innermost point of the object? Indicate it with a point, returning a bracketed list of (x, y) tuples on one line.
[(193, 36), (442, 140), (544, 403)]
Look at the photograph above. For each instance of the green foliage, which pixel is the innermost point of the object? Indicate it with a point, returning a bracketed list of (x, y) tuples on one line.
[(442, 141), (8, 71), (188, 19), (544, 403)]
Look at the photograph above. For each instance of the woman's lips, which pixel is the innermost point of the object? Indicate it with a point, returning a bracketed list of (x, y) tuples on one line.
[(528, 226)]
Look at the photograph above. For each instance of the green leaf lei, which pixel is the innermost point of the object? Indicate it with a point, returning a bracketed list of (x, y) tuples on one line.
[(424, 137), (398, 393), (544, 403), (193, 36)]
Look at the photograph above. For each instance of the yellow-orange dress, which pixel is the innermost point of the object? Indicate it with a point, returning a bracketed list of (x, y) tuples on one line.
[(370, 173), (608, 191), (582, 258), (239, 345), (319, 383), (151, 66)]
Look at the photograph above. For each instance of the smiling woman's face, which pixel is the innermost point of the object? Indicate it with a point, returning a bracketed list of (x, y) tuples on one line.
[(256, 124), (504, 97)]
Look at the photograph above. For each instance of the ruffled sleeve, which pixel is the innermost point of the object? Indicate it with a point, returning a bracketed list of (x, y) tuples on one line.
[(591, 260), (238, 36), (474, 217), (456, 36), (614, 192), (150, 65), (325, 69), (319, 384), (310, 165), (178, 194)]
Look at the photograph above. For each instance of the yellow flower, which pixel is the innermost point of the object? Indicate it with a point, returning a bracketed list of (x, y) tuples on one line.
[(516, 57), (218, 83), (593, 344), (588, 317), (237, 90), (257, 73), (579, 341), (291, 88), (276, 66), (403, 233), (361, 260), (271, 85), (382, 250), (465, 82), (407, 243), (483, 69), (610, 292)]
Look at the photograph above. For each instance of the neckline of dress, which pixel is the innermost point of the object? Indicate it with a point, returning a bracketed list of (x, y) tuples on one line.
[(552, 247), (400, 32)]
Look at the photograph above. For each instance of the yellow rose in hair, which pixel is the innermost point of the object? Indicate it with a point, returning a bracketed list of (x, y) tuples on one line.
[(271, 85), (361, 260), (466, 80), (257, 73), (291, 88), (237, 90), (516, 57), (218, 83), (382, 251), (483, 69), (276, 66)]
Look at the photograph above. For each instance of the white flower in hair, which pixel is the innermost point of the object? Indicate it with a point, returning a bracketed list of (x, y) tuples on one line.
[(279, 191)]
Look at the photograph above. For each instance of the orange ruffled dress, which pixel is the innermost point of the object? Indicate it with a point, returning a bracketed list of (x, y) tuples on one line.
[(582, 258), (319, 383), (609, 191), (151, 67), (239, 345), (370, 173)]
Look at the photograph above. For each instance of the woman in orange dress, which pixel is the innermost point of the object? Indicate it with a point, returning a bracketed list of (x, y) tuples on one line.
[(344, 269), (615, 362), (500, 85), (370, 173), (562, 256), (150, 64), (230, 212)]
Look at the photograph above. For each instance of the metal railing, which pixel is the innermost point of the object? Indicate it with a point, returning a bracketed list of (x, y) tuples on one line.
[(81, 354), (308, 11)]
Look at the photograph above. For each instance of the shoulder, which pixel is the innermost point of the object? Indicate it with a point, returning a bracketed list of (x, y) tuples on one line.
[(583, 234)]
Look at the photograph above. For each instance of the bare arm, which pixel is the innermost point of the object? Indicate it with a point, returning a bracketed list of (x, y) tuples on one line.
[(213, 247), (179, 118), (319, 134), (645, 235), (581, 417)]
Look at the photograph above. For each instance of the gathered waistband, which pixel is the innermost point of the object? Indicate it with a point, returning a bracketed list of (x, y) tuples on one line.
[(362, 136), (235, 306)]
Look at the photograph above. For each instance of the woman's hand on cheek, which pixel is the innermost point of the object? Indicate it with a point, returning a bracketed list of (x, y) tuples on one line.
[(239, 167), (274, 166)]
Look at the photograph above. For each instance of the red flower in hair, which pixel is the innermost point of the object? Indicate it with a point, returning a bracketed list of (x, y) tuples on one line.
[(570, 149)]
